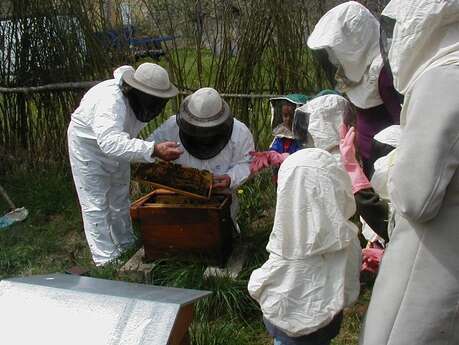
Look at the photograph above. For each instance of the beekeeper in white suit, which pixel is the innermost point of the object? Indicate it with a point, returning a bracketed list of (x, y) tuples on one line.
[(312, 273), (102, 143), (323, 119), (346, 42), (415, 298), (316, 124), (212, 139)]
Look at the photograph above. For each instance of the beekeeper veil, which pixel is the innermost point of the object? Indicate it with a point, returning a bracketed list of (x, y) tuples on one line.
[(313, 268), (293, 100), (386, 34), (425, 35), (348, 35), (205, 123), (300, 128)]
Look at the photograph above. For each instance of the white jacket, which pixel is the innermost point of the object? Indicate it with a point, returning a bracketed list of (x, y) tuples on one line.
[(313, 268), (105, 116)]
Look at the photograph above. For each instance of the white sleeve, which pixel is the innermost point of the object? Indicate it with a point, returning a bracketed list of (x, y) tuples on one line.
[(240, 167), (163, 132), (428, 155), (108, 127)]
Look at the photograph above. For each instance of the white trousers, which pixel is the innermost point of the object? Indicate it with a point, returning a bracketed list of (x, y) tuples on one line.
[(102, 185)]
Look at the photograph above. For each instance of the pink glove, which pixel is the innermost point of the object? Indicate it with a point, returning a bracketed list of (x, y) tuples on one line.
[(265, 159), (259, 162), (276, 158), (371, 259), (347, 148)]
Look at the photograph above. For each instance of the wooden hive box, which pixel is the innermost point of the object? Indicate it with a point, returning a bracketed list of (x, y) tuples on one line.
[(171, 224)]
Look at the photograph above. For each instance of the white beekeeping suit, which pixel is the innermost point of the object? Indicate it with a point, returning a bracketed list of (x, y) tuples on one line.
[(415, 298), (350, 35), (224, 152), (102, 143), (346, 43), (314, 255)]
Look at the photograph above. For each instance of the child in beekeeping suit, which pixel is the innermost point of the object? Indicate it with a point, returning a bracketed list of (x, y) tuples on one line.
[(312, 272)]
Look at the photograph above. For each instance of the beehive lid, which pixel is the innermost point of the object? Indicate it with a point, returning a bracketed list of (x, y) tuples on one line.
[(64, 309), (187, 181)]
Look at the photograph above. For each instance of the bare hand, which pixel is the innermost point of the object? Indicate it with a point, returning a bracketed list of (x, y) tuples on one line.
[(168, 151), (221, 182)]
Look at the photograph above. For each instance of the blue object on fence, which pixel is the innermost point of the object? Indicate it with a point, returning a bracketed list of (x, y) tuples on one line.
[(145, 41), (127, 36)]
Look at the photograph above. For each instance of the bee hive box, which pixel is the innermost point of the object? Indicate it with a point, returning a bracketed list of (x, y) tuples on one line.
[(172, 224)]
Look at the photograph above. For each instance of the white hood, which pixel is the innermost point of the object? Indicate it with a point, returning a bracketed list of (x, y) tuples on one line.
[(365, 94), (326, 116), (306, 224), (390, 136), (313, 269), (426, 34), (351, 33), (118, 73)]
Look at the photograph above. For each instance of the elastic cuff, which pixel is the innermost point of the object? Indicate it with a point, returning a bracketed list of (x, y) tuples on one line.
[(232, 182), (148, 155)]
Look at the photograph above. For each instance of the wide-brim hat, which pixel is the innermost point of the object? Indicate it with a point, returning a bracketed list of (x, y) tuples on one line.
[(204, 110), (151, 79), (295, 98)]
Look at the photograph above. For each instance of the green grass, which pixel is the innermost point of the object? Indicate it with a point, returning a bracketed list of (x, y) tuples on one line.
[(52, 240), (48, 239), (229, 332)]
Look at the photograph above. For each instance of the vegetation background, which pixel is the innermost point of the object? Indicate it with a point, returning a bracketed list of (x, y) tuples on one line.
[(241, 48)]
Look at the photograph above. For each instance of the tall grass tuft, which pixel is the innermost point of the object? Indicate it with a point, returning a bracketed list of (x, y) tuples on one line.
[(228, 332), (230, 296)]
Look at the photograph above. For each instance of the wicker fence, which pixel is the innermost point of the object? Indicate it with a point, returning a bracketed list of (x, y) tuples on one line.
[(52, 50)]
